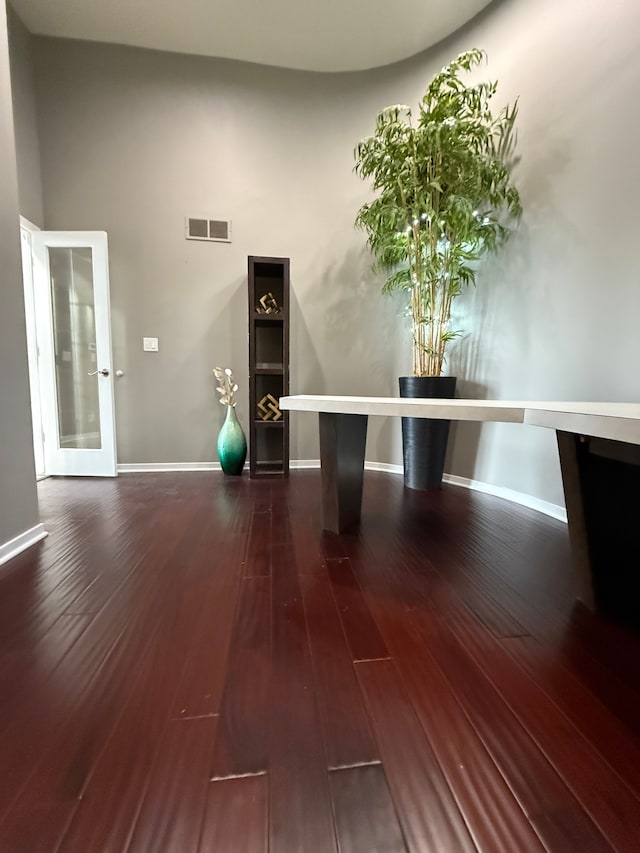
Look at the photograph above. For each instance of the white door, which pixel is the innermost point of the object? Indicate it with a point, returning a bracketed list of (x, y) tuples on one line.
[(71, 290)]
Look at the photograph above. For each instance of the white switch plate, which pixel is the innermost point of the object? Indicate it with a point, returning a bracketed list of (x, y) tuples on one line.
[(150, 344)]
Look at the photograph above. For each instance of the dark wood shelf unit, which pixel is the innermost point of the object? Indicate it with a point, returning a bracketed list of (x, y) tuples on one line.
[(270, 424), (265, 319), (272, 466), (268, 366)]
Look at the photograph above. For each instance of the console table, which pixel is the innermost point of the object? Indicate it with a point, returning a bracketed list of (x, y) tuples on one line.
[(599, 447)]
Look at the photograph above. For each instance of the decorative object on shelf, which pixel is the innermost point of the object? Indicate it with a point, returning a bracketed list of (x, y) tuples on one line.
[(444, 198), (268, 304), (268, 408), (232, 443)]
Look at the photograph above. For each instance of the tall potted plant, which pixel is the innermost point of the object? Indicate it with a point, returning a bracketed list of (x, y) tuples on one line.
[(443, 198)]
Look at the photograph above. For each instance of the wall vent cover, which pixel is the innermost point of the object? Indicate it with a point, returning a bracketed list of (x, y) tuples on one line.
[(201, 228)]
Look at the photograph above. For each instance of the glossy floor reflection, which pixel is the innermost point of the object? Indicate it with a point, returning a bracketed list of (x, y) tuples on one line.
[(187, 664)]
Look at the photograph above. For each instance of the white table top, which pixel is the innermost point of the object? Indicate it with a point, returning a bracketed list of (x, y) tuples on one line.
[(616, 421)]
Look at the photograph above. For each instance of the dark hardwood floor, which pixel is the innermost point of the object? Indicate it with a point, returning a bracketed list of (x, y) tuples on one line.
[(187, 664)]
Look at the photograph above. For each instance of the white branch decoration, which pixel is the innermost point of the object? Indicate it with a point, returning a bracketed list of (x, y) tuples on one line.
[(227, 386)]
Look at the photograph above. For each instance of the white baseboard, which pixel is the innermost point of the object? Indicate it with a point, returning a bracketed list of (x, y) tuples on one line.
[(298, 464), (158, 467), (385, 467), (512, 495), (20, 543)]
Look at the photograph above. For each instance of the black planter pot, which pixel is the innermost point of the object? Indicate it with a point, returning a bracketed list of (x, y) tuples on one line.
[(424, 441)]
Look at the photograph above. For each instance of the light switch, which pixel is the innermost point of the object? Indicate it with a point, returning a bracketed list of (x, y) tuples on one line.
[(150, 344)]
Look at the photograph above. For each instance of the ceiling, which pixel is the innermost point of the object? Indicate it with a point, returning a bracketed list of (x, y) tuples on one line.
[(314, 35)]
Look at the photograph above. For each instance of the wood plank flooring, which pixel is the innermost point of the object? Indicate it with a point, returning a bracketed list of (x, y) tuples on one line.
[(188, 665)]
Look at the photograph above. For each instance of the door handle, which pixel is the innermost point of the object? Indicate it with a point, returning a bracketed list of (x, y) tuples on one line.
[(103, 372)]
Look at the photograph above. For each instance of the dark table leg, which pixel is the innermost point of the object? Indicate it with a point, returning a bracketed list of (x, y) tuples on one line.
[(601, 481), (569, 450), (342, 443)]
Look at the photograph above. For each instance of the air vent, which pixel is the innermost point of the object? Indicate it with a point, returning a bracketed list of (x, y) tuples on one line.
[(214, 230)]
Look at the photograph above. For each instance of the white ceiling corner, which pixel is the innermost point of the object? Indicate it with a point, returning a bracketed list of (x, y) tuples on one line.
[(312, 35)]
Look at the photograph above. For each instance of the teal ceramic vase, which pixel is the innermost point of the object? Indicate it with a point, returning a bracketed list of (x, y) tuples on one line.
[(232, 444)]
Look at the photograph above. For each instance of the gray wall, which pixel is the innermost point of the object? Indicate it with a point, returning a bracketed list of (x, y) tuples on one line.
[(18, 500), (557, 315), (132, 141), (25, 120)]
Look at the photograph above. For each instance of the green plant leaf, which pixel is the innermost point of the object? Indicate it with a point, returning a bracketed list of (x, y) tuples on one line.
[(443, 197)]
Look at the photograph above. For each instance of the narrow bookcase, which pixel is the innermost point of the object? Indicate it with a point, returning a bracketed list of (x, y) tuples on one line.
[(268, 366)]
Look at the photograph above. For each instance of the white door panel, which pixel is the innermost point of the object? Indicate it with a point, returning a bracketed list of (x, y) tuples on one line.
[(71, 285)]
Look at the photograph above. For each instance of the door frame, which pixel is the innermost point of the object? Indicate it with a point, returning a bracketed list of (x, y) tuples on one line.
[(28, 228)]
